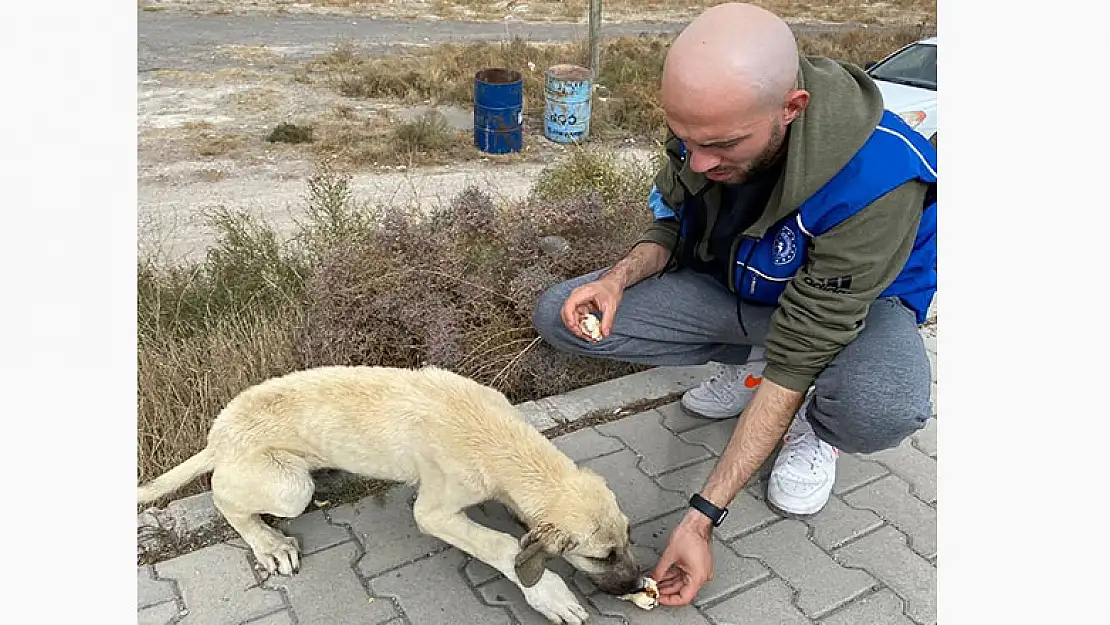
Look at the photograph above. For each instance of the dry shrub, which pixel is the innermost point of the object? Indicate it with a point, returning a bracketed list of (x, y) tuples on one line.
[(457, 289), (379, 286)]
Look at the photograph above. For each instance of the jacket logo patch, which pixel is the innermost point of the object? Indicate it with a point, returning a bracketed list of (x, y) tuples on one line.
[(786, 247), (832, 285)]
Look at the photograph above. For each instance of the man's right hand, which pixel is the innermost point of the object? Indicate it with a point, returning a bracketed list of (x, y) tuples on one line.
[(602, 295)]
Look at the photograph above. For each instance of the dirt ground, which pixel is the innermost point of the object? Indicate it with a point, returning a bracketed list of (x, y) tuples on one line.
[(216, 76), (202, 145)]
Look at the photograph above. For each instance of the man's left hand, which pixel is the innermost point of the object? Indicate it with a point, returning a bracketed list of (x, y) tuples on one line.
[(687, 563)]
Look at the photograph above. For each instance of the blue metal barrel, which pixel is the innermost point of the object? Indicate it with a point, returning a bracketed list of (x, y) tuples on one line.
[(568, 92), (498, 110)]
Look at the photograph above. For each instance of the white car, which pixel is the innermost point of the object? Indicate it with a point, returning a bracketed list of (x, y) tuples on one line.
[(908, 81)]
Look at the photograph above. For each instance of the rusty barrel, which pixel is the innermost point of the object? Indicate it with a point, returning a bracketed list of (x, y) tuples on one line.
[(568, 91), (498, 110)]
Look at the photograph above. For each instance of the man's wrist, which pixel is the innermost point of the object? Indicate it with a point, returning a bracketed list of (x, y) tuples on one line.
[(698, 523)]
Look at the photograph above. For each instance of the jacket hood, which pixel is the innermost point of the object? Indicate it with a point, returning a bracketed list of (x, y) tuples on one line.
[(844, 108)]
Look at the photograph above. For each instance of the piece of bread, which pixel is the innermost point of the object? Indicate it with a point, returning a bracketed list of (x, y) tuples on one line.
[(647, 597), (591, 326)]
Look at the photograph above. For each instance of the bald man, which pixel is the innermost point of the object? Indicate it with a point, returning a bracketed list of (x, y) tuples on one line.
[(794, 244)]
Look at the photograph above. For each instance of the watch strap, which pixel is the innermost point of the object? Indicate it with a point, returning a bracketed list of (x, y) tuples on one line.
[(702, 505)]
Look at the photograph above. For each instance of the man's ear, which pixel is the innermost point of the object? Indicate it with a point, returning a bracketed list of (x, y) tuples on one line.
[(796, 102), (538, 547)]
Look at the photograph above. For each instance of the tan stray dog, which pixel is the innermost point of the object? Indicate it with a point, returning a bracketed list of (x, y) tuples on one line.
[(462, 443)]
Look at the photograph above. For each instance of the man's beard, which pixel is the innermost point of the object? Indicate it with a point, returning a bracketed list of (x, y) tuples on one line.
[(766, 159)]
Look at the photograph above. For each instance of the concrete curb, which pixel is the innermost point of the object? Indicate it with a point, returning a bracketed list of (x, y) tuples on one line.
[(189, 523)]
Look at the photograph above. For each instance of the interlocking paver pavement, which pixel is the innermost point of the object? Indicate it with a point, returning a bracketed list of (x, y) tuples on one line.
[(868, 557), (821, 582), (218, 586), (770, 602), (159, 614), (881, 608), (658, 449), (327, 590), (890, 498), (885, 555), (838, 523), (153, 591)]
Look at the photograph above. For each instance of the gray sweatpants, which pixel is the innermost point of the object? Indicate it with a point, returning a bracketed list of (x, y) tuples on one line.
[(873, 394)]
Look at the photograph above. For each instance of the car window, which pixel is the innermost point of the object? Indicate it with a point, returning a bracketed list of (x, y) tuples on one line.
[(916, 65)]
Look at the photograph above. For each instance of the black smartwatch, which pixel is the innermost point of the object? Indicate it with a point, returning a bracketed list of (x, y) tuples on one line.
[(702, 505)]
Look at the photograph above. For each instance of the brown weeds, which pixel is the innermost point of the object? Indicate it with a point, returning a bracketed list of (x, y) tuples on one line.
[(373, 286), (628, 98)]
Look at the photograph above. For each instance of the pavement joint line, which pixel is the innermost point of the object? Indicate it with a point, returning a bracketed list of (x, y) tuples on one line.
[(158, 603), (612, 436), (886, 521), (905, 602), (810, 532), (292, 616), (604, 455), (658, 516), (173, 583), (682, 437), (360, 553), (503, 606), (913, 488), (913, 443), (177, 596), (874, 590), (869, 481), (590, 600), (794, 592), (677, 467), (853, 539), (845, 541), (663, 421), (739, 590), (904, 535), (759, 528)]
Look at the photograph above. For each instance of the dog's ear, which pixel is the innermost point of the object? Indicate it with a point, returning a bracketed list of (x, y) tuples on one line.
[(537, 548)]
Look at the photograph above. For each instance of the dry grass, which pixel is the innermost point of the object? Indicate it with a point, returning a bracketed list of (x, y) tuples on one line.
[(628, 85), (344, 290), (445, 74), (210, 142), (862, 11), (383, 140)]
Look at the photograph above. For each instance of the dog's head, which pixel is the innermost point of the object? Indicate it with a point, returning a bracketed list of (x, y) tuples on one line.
[(589, 531)]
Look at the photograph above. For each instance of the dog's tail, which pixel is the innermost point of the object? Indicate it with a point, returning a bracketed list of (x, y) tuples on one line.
[(175, 478)]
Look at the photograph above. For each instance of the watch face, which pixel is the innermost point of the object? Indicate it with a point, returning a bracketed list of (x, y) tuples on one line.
[(724, 513)]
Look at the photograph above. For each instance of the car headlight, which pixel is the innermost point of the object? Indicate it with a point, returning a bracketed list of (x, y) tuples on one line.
[(913, 118)]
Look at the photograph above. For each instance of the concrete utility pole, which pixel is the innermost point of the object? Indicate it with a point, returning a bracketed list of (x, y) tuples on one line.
[(595, 37)]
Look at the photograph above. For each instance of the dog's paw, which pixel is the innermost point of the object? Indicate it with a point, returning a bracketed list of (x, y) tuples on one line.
[(280, 556), (551, 598)]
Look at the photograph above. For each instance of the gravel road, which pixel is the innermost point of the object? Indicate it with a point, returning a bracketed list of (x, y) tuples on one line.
[(173, 40)]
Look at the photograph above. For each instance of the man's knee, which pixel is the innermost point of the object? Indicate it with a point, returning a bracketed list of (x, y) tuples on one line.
[(869, 418), (546, 316)]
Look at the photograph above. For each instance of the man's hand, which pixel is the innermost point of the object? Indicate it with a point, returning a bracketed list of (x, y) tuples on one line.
[(603, 295), (687, 562)]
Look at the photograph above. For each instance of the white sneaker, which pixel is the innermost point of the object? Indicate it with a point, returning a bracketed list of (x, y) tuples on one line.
[(724, 394), (804, 472)]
